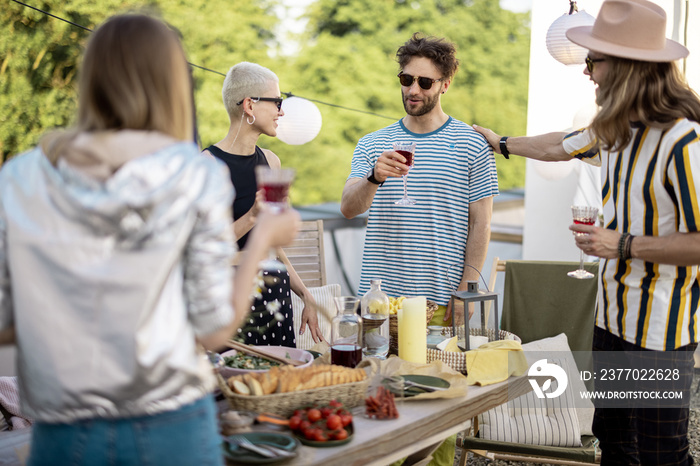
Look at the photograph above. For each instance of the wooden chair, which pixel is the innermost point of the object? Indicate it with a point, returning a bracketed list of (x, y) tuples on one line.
[(307, 255)]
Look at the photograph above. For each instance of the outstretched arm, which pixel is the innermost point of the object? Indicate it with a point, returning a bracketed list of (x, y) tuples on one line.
[(546, 147)]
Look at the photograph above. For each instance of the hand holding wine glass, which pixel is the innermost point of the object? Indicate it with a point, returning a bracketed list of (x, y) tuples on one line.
[(406, 149), (275, 184), (583, 215)]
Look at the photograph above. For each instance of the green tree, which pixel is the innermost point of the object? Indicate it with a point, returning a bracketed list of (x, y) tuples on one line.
[(39, 57), (349, 60)]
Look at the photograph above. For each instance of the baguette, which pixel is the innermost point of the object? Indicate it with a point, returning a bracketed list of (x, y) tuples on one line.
[(239, 387), (254, 384), (286, 379)]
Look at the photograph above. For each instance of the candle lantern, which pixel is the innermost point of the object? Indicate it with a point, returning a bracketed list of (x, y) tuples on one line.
[(474, 295)]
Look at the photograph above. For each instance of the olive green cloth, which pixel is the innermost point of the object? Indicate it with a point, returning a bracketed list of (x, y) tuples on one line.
[(540, 300)]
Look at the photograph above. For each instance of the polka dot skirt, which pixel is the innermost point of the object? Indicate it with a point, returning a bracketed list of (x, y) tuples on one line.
[(271, 320)]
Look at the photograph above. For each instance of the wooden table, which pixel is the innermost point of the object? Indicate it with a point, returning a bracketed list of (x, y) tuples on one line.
[(421, 425)]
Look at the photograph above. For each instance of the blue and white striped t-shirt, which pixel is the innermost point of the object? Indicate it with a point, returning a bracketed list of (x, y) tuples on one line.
[(412, 248)]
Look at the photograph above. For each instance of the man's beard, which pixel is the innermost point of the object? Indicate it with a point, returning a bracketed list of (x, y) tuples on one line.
[(427, 105)]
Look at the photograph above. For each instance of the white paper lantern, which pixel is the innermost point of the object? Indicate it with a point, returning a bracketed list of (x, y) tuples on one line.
[(301, 121), (561, 48)]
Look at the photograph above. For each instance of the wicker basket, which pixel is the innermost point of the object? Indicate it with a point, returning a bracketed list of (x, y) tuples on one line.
[(284, 404), (394, 326), (458, 361)]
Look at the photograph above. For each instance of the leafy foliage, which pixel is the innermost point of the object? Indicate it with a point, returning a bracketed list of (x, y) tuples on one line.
[(347, 59)]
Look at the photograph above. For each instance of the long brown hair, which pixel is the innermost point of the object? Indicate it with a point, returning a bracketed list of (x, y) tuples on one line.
[(657, 93), (135, 76)]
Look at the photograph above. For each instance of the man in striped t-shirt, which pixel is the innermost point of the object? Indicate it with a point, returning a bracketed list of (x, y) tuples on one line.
[(414, 249), (646, 140)]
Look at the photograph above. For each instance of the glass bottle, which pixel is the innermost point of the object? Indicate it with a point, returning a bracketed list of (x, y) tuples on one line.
[(375, 322), (346, 333)]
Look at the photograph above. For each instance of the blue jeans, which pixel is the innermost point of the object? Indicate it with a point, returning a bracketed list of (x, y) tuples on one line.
[(187, 436)]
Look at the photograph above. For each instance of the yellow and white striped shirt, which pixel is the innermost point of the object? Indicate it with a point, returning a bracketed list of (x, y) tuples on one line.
[(648, 188)]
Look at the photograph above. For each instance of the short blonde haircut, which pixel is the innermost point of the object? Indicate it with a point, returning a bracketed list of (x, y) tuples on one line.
[(243, 80), (135, 75)]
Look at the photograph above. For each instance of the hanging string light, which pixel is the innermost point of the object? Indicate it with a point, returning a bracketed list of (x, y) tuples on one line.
[(561, 48)]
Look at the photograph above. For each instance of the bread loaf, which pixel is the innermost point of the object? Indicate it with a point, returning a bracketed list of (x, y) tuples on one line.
[(286, 379)]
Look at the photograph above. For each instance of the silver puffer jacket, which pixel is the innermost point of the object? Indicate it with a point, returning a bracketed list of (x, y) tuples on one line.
[(109, 270)]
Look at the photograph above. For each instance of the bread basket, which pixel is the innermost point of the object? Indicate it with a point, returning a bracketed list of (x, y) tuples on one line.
[(283, 404), (394, 326), (458, 361)]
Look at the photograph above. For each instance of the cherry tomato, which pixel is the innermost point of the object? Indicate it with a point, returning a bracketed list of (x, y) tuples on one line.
[(299, 412), (340, 434), (313, 414), (320, 436), (304, 425), (334, 422), (346, 419), (326, 411), (309, 432), (335, 404), (295, 422)]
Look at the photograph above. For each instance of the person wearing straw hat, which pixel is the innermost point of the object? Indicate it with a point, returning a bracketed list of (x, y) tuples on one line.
[(645, 138)]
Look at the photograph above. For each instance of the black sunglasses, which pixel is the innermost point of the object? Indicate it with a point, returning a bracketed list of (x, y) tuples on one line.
[(590, 63), (425, 83), (276, 100)]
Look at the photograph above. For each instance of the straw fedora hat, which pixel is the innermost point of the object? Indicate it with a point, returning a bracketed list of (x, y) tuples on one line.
[(634, 29)]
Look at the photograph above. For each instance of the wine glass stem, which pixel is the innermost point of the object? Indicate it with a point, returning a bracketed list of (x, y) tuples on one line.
[(405, 186), (581, 262)]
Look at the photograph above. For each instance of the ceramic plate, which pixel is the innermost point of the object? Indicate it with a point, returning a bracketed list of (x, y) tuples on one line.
[(428, 380), (329, 443), (242, 456)]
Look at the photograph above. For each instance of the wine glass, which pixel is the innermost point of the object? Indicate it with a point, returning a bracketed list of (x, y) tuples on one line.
[(583, 215), (275, 183), (406, 149)]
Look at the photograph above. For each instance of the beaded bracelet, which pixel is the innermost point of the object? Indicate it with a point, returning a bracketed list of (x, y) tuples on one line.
[(621, 246)]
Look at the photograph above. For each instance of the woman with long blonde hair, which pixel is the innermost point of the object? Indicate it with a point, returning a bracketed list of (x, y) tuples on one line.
[(115, 253)]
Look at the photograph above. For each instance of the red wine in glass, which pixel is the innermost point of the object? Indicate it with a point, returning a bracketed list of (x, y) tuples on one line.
[(582, 215), (406, 149), (346, 355), (275, 183), (275, 192), (408, 155)]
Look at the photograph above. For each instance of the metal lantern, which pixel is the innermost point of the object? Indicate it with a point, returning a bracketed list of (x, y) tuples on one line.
[(474, 295), (301, 121), (561, 48)]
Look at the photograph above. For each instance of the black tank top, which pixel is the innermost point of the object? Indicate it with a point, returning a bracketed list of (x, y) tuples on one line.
[(242, 170)]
